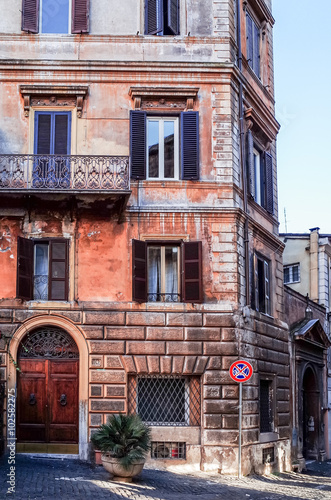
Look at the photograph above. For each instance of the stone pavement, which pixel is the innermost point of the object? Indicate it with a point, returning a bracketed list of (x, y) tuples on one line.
[(56, 479)]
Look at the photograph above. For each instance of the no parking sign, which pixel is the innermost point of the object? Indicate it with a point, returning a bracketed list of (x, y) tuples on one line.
[(241, 371)]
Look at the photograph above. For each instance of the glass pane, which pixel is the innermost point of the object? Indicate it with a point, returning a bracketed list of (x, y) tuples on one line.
[(154, 274), (54, 16), (153, 148), (41, 272), (169, 149), (171, 274), (286, 274), (58, 270), (295, 273)]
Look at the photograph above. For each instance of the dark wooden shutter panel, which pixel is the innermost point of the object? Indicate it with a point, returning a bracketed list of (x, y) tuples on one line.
[(256, 51), (61, 135), (192, 271), (24, 268), (139, 271), (58, 270), (249, 39), (44, 134), (190, 145), (138, 144), (173, 16), (269, 179), (153, 17), (30, 16), (250, 163), (80, 16)]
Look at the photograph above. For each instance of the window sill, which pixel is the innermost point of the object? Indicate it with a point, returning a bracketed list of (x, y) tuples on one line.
[(42, 304)]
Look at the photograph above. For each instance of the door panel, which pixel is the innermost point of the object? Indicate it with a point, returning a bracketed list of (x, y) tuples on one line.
[(48, 401)]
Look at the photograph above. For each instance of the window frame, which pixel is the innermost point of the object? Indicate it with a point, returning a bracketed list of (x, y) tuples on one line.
[(161, 120), (53, 113), (156, 26), (270, 380), (263, 282), (30, 274), (163, 245), (290, 268)]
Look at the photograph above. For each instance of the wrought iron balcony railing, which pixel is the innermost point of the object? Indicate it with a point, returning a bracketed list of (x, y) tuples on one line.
[(64, 173)]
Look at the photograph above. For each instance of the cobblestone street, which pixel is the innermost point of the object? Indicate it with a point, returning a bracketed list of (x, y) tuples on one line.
[(69, 479)]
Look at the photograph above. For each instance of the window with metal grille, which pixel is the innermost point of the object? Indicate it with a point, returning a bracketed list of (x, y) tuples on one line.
[(165, 400), (268, 455), (266, 410), (168, 450)]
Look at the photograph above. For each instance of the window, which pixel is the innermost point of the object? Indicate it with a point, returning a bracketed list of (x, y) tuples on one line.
[(43, 270), (253, 44), (162, 17), (165, 400), (55, 16), (169, 450), (162, 148), (292, 274), (260, 174), (52, 137), (261, 295), (266, 406), (166, 271), (159, 151)]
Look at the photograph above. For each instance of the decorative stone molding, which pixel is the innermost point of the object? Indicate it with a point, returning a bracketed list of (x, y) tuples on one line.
[(163, 98), (165, 365), (254, 121), (53, 95)]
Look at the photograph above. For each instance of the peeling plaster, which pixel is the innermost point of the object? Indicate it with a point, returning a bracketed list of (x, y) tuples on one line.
[(92, 233)]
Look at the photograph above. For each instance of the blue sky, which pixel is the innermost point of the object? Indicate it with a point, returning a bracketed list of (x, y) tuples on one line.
[(302, 85)]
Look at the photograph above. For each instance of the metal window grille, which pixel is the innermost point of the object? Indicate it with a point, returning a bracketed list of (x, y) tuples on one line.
[(161, 400), (268, 455), (168, 450), (266, 419)]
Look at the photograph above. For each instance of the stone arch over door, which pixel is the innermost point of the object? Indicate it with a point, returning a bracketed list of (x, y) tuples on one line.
[(311, 416), (74, 331)]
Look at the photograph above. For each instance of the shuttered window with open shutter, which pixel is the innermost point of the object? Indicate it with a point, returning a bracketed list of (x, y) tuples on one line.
[(30, 16), (24, 268), (192, 271), (138, 144), (139, 271), (269, 180), (250, 163), (80, 16), (190, 145)]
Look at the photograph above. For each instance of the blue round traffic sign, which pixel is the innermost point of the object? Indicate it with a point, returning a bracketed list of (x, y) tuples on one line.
[(241, 371)]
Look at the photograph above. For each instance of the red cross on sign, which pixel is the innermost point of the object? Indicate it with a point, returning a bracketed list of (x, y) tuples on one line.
[(241, 371)]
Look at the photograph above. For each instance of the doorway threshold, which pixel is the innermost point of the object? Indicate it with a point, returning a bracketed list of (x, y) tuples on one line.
[(48, 448), (50, 456)]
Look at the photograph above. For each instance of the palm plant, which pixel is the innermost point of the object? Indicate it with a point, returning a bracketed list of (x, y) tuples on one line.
[(124, 437)]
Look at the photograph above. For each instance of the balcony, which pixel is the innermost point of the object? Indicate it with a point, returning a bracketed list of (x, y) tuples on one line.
[(57, 178), (64, 173)]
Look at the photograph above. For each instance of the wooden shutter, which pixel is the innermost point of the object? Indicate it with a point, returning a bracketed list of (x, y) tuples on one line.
[(249, 39), (192, 271), (153, 17), (250, 163), (24, 268), (173, 16), (256, 50), (43, 136), (30, 16), (61, 134), (139, 271), (269, 180), (58, 270), (190, 145), (138, 144), (80, 16)]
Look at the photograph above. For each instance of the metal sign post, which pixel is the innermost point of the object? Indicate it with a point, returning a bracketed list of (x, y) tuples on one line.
[(240, 371)]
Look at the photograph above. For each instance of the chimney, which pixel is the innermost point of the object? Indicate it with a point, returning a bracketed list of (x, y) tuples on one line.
[(314, 243)]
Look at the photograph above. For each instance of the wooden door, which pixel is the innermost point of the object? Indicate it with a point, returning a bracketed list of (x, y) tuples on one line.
[(48, 401)]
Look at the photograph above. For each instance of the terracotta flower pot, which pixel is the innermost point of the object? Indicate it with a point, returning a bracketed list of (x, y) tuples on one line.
[(112, 465)]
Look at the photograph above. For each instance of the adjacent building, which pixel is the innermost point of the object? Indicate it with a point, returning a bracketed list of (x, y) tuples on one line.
[(140, 253)]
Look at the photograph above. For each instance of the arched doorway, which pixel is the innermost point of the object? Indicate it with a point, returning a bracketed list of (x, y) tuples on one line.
[(48, 359), (311, 414)]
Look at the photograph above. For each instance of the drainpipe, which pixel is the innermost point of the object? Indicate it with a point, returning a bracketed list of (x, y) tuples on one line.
[(242, 156)]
